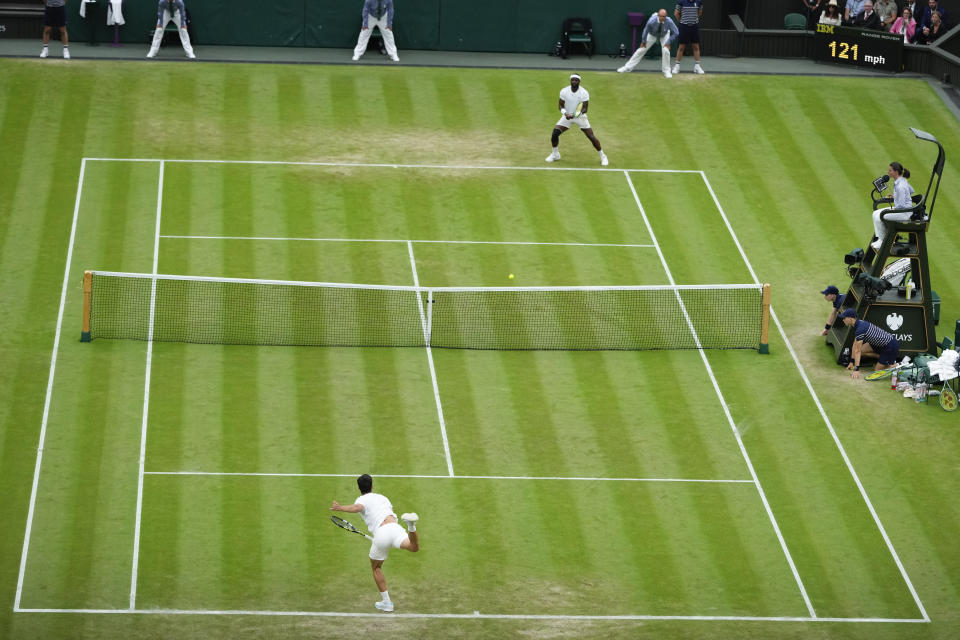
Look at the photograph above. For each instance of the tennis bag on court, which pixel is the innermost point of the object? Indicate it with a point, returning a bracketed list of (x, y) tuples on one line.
[(918, 371)]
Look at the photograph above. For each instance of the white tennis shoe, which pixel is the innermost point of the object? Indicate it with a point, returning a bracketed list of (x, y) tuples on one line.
[(698, 69), (603, 160), (667, 74), (676, 68), (622, 70), (410, 517), (554, 156), (44, 53), (384, 606), (66, 53)]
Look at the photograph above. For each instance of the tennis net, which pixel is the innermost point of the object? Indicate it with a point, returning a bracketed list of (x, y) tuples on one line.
[(167, 308)]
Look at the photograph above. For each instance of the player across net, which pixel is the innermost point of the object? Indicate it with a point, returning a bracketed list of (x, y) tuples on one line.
[(167, 308)]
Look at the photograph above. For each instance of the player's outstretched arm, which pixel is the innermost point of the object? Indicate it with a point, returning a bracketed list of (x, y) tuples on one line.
[(349, 508)]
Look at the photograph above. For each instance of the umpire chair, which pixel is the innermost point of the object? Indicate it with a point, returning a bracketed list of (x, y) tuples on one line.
[(872, 294)]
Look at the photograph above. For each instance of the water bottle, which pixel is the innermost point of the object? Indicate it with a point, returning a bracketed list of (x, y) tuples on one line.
[(845, 358), (893, 381), (623, 50)]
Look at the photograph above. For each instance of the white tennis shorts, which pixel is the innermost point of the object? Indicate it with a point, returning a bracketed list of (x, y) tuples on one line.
[(386, 536), (581, 122)]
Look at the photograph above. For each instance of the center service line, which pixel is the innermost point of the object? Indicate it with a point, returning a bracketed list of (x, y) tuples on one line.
[(433, 371)]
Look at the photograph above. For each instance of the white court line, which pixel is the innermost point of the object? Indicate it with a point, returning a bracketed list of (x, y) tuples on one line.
[(49, 394), (726, 411), (447, 477), (823, 413), (433, 371), (547, 244), (146, 398), (476, 615), (388, 165)]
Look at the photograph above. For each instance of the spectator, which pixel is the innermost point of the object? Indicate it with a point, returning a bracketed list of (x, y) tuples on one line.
[(936, 29), (905, 25), (376, 13), (55, 15), (688, 14), (933, 6), (867, 19), (574, 102), (916, 9), (851, 10), (902, 199), (871, 341), (887, 10), (831, 15), (832, 295), (812, 8), (171, 11), (658, 26)]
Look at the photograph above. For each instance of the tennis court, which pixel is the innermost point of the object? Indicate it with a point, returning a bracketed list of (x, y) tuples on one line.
[(612, 484)]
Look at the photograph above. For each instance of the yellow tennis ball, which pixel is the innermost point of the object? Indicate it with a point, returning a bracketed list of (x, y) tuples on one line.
[(510, 276)]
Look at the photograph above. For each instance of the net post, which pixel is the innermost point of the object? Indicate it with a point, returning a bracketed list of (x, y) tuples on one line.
[(765, 320), (87, 292)]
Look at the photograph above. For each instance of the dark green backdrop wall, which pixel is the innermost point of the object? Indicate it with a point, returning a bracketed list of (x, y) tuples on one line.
[(531, 26)]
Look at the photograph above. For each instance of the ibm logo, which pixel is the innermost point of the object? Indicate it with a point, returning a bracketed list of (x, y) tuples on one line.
[(824, 28)]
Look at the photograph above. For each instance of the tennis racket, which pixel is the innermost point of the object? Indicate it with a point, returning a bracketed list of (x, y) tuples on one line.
[(344, 524), (579, 111), (879, 375)]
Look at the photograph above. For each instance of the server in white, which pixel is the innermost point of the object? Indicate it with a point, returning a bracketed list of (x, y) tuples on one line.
[(659, 26), (574, 102), (378, 515), (171, 11), (376, 13)]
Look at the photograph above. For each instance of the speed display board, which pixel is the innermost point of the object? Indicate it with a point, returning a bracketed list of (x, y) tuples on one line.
[(859, 47)]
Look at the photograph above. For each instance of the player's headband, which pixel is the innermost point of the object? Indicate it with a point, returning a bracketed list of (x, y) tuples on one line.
[(574, 76)]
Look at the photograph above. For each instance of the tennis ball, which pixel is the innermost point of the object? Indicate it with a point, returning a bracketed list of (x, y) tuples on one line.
[(510, 276)]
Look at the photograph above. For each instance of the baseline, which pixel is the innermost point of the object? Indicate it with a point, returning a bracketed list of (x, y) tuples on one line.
[(476, 615), (447, 477), (398, 241)]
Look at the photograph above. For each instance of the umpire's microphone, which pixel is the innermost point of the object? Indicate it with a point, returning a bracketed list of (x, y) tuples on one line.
[(881, 183)]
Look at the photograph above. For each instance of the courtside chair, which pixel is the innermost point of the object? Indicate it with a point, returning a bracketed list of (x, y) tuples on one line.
[(796, 21), (578, 30)]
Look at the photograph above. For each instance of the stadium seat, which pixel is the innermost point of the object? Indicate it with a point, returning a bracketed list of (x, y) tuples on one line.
[(795, 21), (578, 30)]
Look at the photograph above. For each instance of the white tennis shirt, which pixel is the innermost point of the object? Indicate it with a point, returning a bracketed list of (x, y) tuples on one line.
[(376, 508), (571, 99)]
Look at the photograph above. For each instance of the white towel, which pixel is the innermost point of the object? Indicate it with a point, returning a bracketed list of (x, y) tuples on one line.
[(114, 11), (945, 367)]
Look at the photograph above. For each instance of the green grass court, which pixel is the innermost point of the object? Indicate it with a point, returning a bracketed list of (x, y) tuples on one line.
[(181, 490)]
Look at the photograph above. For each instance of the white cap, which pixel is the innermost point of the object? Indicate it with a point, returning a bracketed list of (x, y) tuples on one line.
[(575, 76)]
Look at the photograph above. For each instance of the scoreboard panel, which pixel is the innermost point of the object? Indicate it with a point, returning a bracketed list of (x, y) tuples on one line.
[(859, 47)]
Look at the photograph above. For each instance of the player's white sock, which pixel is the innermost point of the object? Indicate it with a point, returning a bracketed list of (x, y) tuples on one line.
[(385, 596)]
